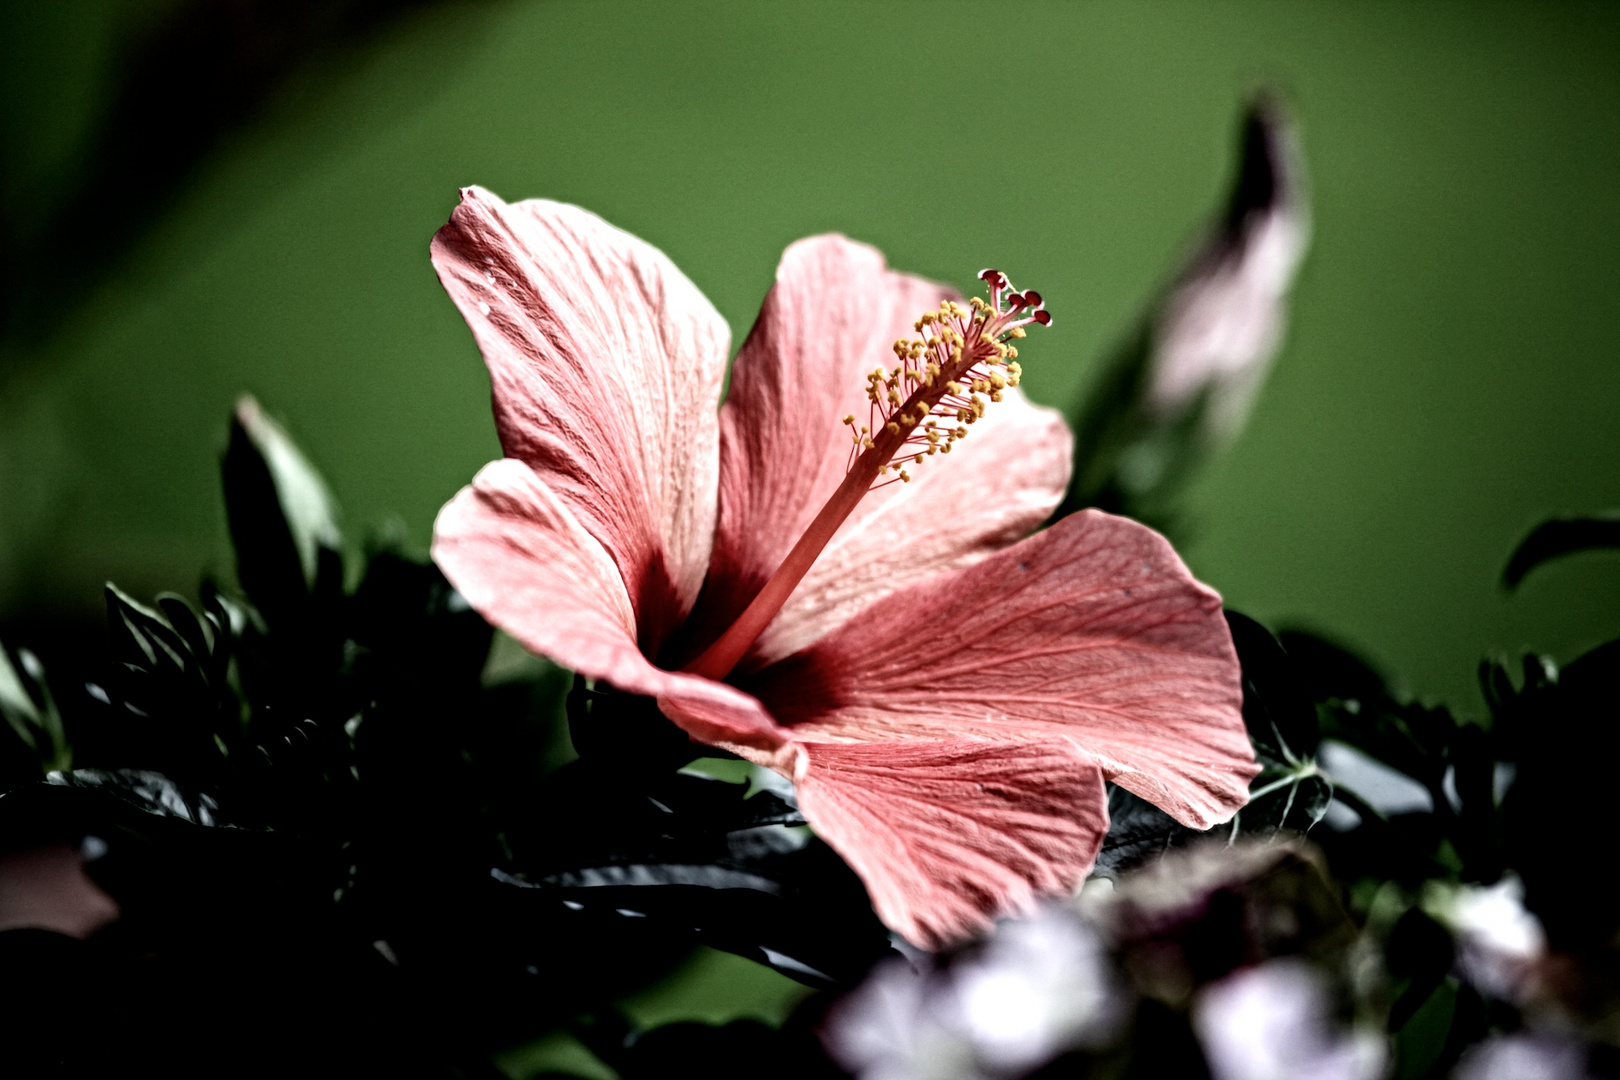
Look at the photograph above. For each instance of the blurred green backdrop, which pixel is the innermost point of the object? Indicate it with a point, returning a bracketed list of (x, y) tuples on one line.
[(1449, 377)]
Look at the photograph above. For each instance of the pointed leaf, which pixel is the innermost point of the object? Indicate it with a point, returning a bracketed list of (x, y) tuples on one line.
[(1557, 537), (1137, 831), (1279, 714), (280, 512), (31, 714), (149, 791)]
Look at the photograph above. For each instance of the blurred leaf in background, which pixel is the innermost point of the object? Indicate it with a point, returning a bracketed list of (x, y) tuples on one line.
[(183, 78)]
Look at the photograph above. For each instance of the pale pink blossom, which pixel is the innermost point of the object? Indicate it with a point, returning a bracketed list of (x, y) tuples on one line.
[(947, 693)]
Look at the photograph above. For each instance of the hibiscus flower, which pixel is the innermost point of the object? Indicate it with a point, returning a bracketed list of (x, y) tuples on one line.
[(833, 575)]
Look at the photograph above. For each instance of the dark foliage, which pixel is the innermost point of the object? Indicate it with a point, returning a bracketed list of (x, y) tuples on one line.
[(316, 817), (182, 84), (339, 847)]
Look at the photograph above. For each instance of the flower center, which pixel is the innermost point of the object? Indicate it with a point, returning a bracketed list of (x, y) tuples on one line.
[(942, 383)]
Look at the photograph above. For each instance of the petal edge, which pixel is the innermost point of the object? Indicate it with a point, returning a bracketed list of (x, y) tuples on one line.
[(949, 835)]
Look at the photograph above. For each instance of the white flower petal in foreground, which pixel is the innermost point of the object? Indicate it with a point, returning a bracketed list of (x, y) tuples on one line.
[(1272, 1022)]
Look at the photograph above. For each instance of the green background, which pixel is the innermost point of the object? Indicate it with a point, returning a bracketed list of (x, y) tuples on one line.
[(1449, 376)]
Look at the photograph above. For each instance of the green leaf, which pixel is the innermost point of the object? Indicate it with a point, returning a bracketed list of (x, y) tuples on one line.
[(30, 712), (1557, 537), (15, 704), (140, 632), (1285, 797), (282, 515)]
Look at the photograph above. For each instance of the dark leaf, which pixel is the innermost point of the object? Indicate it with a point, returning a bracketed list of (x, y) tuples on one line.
[(628, 730), (1137, 831), (1419, 953), (812, 923), (150, 792), (1277, 709), (174, 707), (1329, 672), (643, 874), (281, 515), (1558, 537), (1290, 792), (703, 861), (1514, 708), (1562, 793)]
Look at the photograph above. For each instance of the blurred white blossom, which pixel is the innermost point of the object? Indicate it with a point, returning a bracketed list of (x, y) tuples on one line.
[(1274, 1022), (1038, 987), (1500, 944), (1523, 1057)]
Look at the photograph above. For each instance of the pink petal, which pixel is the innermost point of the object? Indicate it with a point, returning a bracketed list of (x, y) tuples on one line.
[(606, 363), (993, 489), (950, 835), (521, 557), (1092, 631), (833, 315)]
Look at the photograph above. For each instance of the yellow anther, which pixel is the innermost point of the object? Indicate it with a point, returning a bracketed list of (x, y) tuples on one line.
[(960, 362), (905, 477)]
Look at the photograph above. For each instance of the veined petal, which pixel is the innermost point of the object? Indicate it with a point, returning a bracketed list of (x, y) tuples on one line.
[(605, 364), (521, 557), (1093, 631), (949, 835), (832, 316), (992, 490)]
